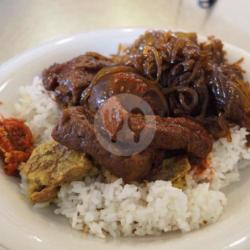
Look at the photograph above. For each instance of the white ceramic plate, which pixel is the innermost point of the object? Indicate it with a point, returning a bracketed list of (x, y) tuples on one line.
[(23, 227)]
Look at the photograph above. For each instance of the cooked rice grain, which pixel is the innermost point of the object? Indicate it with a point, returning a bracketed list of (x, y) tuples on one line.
[(128, 210), (36, 107)]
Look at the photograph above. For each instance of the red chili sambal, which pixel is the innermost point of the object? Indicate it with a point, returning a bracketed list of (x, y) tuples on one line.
[(16, 144)]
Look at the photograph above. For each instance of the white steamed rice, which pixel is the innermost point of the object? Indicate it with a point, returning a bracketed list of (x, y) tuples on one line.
[(128, 210), (38, 110)]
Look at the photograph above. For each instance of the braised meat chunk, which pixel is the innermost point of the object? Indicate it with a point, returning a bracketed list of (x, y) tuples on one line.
[(76, 131), (168, 133), (230, 93), (68, 80)]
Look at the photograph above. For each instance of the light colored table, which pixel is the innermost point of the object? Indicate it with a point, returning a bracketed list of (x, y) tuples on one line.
[(26, 23)]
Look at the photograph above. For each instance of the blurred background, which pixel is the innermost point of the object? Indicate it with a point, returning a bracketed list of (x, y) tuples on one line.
[(28, 23)]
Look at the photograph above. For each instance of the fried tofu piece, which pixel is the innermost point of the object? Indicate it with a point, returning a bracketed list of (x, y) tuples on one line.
[(51, 165)]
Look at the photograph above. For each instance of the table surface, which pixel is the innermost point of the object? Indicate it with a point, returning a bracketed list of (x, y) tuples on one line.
[(27, 23)]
